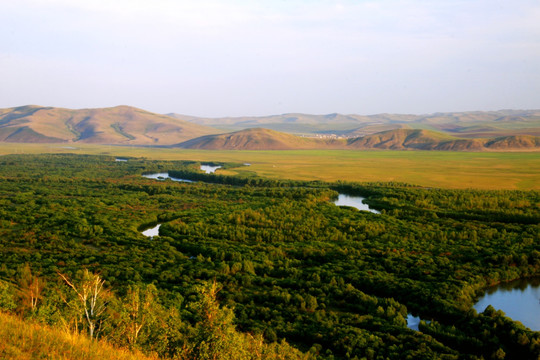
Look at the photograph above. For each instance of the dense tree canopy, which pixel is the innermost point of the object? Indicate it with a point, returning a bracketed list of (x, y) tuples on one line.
[(333, 281)]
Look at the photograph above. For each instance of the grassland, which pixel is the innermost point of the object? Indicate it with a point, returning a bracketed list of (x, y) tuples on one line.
[(27, 340), (457, 170)]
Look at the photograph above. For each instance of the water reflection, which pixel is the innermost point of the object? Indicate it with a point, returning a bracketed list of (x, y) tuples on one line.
[(413, 322), (354, 201), (152, 232), (163, 176), (209, 169), (519, 300)]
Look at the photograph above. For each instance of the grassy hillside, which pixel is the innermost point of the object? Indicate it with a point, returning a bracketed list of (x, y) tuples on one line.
[(26, 340), (399, 139), (507, 130), (510, 142), (117, 125), (253, 139), (417, 139)]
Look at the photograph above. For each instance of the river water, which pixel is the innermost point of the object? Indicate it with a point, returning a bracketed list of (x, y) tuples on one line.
[(209, 169), (152, 232), (519, 300), (354, 201), (413, 322), (163, 176)]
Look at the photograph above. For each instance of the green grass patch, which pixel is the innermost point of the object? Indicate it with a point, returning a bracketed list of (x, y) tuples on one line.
[(441, 169)]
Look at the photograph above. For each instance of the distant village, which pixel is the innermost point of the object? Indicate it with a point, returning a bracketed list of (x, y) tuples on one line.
[(330, 136)]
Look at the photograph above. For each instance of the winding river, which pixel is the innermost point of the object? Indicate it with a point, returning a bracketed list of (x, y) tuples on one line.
[(163, 176), (208, 169), (519, 300)]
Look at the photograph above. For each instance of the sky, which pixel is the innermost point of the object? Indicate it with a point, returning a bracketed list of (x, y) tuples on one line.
[(252, 58)]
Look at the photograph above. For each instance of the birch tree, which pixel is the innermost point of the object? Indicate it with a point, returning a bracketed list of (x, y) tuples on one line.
[(92, 298), (140, 306)]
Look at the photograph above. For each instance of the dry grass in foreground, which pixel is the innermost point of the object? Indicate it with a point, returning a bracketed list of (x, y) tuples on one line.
[(26, 340)]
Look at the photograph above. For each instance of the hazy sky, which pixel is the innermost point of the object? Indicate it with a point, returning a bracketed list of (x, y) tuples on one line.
[(231, 58)]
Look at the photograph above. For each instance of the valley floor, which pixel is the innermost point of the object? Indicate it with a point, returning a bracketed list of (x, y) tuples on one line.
[(440, 169)]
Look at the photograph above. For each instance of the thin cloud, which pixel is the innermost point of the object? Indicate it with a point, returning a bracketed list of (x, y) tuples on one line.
[(324, 56)]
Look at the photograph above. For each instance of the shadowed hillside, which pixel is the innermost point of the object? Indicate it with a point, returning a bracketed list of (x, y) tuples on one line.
[(254, 139), (401, 139), (511, 142), (117, 125), (506, 130)]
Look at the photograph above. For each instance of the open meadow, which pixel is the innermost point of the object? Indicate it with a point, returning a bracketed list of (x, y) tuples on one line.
[(441, 169)]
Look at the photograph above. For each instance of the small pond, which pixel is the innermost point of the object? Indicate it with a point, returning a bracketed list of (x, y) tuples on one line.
[(519, 300), (354, 201), (152, 232)]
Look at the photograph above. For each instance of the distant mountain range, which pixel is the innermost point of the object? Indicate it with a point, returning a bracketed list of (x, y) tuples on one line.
[(473, 124), (505, 130)]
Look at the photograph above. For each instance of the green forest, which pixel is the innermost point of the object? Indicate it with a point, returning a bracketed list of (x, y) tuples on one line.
[(247, 267)]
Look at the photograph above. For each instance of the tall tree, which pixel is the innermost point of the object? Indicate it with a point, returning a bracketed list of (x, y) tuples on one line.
[(140, 309), (92, 298), (30, 288)]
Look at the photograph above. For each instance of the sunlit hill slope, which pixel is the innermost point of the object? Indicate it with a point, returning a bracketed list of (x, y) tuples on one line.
[(509, 130), (401, 139), (117, 125), (255, 139), (27, 340)]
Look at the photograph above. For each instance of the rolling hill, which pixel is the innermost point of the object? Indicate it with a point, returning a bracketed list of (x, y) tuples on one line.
[(472, 124), (505, 130), (296, 122), (253, 139), (400, 139), (116, 125)]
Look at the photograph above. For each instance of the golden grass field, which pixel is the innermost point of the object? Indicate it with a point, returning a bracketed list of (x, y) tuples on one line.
[(28, 340), (457, 170)]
